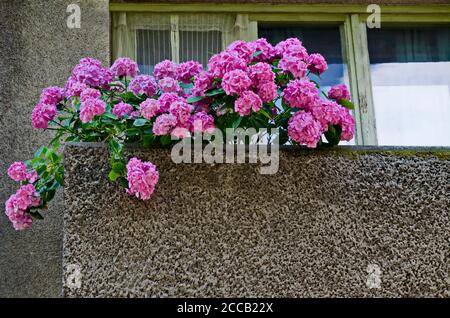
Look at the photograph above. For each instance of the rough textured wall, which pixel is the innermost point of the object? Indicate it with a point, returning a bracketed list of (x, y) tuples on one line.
[(393, 2), (312, 229), (37, 50)]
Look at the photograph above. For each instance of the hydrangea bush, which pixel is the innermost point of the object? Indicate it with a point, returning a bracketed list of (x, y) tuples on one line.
[(249, 85)]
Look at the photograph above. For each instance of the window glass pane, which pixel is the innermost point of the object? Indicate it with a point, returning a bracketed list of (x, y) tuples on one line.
[(152, 46), (410, 69), (199, 45), (324, 40)]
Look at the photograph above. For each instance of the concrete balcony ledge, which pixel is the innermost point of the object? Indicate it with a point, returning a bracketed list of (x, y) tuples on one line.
[(345, 222)]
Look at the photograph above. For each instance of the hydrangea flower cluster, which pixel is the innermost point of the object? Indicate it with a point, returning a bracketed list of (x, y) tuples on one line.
[(19, 203), (249, 85), (26, 197), (142, 178)]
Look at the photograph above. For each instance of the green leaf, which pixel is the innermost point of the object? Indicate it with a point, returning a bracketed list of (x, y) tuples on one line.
[(118, 167), (148, 140), (132, 132), (123, 182), (72, 138), (237, 122), (333, 134), (115, 146), (48, 195), (59, 177), (215, 92), (113, 175), (194, 99), (284, 137), (262, 111), (346, 103), (110, 115), (256, 53), (140, 122), (53, 157), (41, 152), (187, 86), (165, 140), (36, 215), (40, 169)]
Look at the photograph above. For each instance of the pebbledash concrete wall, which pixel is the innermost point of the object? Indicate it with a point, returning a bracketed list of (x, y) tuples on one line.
[(37, 50), (329, 223)]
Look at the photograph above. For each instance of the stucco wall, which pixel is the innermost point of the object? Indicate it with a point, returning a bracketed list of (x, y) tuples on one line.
[(37, 50), (312, 229)]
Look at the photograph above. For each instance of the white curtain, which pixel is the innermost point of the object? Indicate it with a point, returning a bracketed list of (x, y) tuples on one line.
[(151, 37)]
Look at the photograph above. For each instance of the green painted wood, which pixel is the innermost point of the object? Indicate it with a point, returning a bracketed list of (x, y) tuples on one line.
[(276, 8), (361, 63)]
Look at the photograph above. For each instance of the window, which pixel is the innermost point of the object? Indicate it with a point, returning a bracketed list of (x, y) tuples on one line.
[(324, 40), (398, 75), (150, 38), (410, 70), (317, 39)]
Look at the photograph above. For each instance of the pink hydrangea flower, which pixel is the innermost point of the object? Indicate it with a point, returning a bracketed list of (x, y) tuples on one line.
[(135, 114), (347, 123), (166, 99), (267, 91), (42, 114), (267, 50), (242, 49), (21, 220), (304, 129), (142, 178), (247, 102), (90, 72), (143, 84), (202, 82), (283, 47), (74, 88), (164, 124), (89, 93), (122, 109), (293, 65), (181, 130), (201, 122), (297, 51), (326, 112), (317, 63), (165, 68), (124, 66), (236, 82), (261, 73), (225, 62), (18, 171), (181, 110), (90, 108), (17, 205), (32, 176), (187, 70), (300, 93), (149, 108), (339, 92), (169, 85), (52, 95)]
